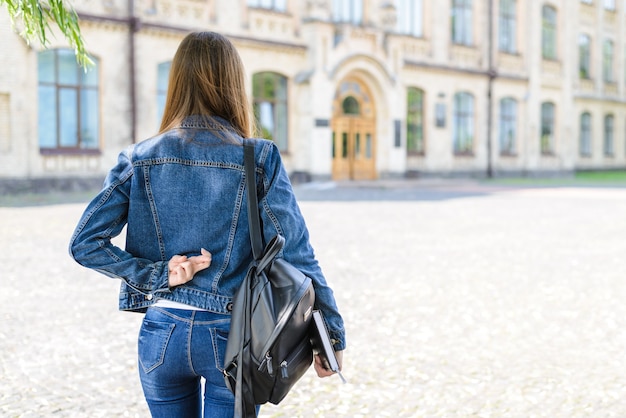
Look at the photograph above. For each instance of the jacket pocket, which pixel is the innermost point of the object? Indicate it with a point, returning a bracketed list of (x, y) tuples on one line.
[(153, 339)]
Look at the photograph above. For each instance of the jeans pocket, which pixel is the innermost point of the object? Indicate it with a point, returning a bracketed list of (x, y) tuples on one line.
[(219, 338), (153, 339)]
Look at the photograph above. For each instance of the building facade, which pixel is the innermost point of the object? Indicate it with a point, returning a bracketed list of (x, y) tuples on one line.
[(348, 89)]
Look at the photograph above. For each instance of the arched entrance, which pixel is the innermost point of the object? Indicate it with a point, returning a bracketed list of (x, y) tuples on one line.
[(354, 132)]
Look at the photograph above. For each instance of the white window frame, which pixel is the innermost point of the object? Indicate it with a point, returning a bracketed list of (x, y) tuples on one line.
[(508, 124), (276, 5), (348, 11), (586, 122), (608, 61), (163, 72), (549, 33), (507, 26), (609, 135), (462, 22), (548, 121), (463, 132), (584, 56), (410, 17), (272, 113)]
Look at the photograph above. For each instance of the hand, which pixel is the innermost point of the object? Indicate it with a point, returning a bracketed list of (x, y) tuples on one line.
[(182, 268), (319, 366)]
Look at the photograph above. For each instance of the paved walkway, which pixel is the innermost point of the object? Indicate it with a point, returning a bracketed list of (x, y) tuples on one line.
[(461, 300)]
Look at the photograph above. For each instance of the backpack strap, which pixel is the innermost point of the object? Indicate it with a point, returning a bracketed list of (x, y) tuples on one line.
[(244, 395), (256, 237)]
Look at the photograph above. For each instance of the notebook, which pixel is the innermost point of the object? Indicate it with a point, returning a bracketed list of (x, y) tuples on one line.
[(323, 346)]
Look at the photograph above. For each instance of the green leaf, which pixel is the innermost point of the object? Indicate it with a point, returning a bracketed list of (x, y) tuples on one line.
[(35, 16)]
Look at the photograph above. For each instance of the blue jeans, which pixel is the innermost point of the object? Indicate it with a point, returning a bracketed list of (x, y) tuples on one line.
[(176, 348)]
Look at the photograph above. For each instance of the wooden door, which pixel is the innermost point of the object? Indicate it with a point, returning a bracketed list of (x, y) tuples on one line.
[(354, 133)]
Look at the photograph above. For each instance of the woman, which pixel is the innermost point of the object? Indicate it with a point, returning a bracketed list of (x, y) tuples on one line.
[(179, 193)]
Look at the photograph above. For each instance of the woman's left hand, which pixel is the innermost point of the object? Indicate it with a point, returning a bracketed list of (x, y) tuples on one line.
[(319, 366)]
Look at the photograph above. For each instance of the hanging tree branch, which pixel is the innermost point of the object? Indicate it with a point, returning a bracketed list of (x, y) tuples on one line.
[(35, 17)]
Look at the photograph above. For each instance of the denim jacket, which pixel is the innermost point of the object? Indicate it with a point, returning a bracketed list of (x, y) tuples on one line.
[(184, 190)]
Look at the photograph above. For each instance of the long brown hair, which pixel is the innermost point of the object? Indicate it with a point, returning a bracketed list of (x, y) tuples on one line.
[(207, 78)]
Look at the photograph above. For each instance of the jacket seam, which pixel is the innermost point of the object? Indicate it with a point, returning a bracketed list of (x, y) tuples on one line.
[(173, 160), (231, 234), (153, 209), (266, 185)]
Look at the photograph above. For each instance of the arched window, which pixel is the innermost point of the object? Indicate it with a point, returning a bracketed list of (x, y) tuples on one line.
[(508, 126), (461, 24), (608, 135), (69, 102), (415, 121), (585, 134), (350, 106), (547, 128), (270, 106), (548, 33), (163, 75), (507, 26), (463, 124)]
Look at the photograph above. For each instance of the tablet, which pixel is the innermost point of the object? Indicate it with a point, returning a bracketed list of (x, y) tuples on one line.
[(322, 346)]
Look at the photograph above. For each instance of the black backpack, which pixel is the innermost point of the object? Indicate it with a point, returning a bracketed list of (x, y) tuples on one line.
[(269, 347)]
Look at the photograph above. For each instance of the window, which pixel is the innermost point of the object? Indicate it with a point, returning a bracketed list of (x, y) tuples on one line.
[(462, 22), (609, 5), (277, 5), (508, 125), (270, 106), (415, 121), (608, 135), (351, 106), (410, 17), (507, 27), (69, 103), (349, 11), (607, 61), (585, 134), (547, 128), (548, 33), (584, 56), (163, 74), (463, 124)]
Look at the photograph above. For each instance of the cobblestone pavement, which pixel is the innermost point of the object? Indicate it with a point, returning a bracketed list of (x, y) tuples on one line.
[(460, 300)]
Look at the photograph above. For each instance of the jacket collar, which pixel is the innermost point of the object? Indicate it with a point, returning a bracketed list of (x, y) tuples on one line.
[(206, 122)]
